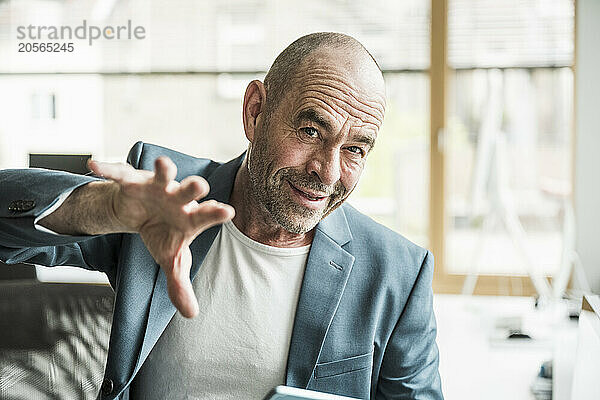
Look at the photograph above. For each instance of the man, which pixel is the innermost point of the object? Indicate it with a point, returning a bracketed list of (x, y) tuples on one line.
[(288, 285)]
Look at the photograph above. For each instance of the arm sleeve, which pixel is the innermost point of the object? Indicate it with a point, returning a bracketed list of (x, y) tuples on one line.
[(22, 242), (61, 199), (45, 188), (410, 364)]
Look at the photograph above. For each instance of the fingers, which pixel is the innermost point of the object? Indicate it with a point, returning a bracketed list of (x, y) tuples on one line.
[(179, 285), (119, 172), (181, 292), (182, 296), (192, 188), (210, 213), (165, 170), (115, 171)]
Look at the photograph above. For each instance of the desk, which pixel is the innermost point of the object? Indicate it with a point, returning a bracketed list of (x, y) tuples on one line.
[(475, 364), (586, 385)]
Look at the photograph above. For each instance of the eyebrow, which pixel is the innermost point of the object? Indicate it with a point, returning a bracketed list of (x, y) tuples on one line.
[(368, 140), (312, 115)]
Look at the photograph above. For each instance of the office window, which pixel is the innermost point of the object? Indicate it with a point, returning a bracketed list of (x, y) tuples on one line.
[(225, 36), (182, 85), (509, 140)]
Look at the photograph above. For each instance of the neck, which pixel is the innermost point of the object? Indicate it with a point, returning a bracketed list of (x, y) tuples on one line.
[(253, 219)]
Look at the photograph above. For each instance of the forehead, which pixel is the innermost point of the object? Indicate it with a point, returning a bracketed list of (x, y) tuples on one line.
[(342, 88)]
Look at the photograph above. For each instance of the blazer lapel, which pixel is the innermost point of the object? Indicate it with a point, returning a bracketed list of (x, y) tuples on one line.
[(161, 308), (327, 271)]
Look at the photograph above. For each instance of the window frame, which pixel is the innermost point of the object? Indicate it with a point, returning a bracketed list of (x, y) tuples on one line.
[(440, 73)]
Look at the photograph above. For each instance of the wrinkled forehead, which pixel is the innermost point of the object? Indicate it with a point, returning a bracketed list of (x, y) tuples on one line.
[(342, 84)]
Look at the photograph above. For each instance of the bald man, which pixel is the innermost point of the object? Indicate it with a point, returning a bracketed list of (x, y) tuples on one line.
[(276, 279)]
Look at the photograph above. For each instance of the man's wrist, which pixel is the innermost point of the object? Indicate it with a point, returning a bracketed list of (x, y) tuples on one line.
[(115, 224), (87, 211)]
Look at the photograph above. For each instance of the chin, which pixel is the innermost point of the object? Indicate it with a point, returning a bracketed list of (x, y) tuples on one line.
[(298, 226)]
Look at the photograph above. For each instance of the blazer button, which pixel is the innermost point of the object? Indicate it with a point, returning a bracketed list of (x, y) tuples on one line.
[(107, 386), (21, 205)]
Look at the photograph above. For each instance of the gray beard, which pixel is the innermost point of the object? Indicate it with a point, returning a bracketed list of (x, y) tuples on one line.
[(272, 193)]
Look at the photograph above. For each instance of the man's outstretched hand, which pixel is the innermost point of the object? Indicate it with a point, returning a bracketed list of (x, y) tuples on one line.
[(166, 215)]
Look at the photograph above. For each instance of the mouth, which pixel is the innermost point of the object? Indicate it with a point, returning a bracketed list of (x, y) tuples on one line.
[(311, 196)]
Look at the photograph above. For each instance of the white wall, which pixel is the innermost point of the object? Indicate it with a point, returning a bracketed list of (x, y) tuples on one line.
[(587, 164), (76, 128)]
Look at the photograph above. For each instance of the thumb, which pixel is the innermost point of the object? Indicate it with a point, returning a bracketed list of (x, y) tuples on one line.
[(179, 285)]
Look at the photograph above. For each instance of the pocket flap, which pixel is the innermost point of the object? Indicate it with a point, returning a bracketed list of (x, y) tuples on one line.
[(342, 366)]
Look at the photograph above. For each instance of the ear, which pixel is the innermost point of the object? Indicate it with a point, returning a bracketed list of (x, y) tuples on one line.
[(254, 104)]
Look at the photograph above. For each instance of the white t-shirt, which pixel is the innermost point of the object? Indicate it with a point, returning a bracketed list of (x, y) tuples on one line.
[(237, 347)]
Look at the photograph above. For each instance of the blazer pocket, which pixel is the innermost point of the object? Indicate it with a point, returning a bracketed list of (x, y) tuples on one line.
[(332, 368)]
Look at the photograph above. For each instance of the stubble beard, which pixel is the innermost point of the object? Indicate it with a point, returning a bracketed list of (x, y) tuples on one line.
[(271, 191)]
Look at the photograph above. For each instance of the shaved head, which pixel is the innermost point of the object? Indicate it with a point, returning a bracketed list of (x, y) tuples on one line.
[(292, 60)]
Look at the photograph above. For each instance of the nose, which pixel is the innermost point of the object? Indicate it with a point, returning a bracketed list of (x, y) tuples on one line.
[(325, 165)]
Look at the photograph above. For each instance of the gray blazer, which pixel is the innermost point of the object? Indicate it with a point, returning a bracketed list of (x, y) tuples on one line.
[(364, 325)]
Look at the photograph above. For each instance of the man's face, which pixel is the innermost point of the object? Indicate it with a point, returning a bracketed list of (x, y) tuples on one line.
[(307, 157)]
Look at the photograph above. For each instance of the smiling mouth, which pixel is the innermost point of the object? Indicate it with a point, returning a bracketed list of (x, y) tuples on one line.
[(309, 196)]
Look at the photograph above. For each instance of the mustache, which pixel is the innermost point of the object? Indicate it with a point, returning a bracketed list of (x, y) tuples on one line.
[(304, 181)]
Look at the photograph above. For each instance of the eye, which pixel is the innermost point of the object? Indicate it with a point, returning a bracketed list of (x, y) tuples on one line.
[(310, 131), (356, 150)]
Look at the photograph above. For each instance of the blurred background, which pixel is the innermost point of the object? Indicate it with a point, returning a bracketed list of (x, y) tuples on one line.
[(486, 156)]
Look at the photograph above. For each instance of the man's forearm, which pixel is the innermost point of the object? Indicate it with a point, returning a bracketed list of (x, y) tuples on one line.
[(87, 211)]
